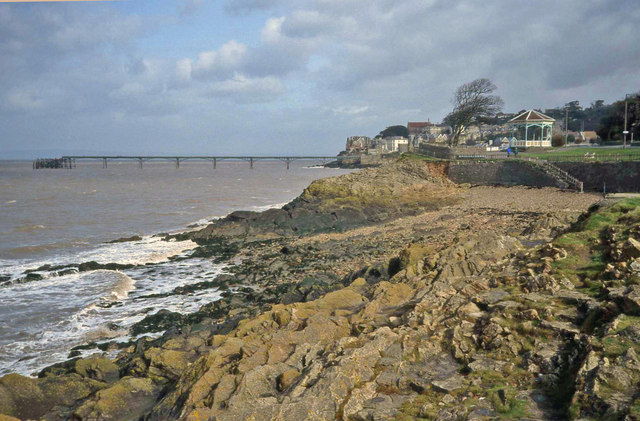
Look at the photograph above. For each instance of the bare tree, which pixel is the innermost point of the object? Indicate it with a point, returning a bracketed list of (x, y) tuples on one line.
[(472, 102)]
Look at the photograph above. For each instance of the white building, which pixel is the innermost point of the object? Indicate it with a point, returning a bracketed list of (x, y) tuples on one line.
[(533, 129), (395, 144)]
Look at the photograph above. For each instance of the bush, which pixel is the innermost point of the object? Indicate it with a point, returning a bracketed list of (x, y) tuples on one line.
[(571, 138), (394, 131), (557, 140)]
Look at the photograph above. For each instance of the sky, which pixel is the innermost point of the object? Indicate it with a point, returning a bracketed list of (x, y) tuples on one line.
[(289, 77)]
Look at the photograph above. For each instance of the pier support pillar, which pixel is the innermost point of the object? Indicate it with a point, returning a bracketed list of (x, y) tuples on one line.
[(251, 163), (214, 163), (177, 162), (140, 162), (288, 162), (104, 162)]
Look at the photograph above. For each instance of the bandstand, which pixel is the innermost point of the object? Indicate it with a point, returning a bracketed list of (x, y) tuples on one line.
[(532, 128)]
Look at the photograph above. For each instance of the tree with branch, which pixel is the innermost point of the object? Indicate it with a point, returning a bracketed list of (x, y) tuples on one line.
[(472, 103)]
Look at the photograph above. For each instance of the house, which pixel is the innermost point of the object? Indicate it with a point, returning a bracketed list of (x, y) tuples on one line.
[(438, 129), (358, 144), (504, 117), (417, 128), (589, 136), (395, 144)]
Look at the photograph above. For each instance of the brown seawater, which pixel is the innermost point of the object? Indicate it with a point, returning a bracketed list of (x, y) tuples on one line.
[(61, 217)]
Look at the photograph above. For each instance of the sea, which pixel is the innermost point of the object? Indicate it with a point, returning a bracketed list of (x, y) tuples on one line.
[(61, 217)]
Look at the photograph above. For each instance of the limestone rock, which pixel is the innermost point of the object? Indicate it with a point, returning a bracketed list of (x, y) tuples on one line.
[(491, 296), (101, 369), (167, 362), (129, 399), (448, 385), (482, 363), (28, 398), (286, 379), (413, 258), (631, 249), (627, 298)]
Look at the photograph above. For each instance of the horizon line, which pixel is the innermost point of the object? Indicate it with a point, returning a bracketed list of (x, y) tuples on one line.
[(48, 1)]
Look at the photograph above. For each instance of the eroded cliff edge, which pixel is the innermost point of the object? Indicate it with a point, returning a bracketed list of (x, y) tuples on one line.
[(493, 303), (369, 196)]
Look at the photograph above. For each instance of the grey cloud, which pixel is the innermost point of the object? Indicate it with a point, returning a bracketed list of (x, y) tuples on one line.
[(220, 63), (249, 6), (244, 89), (399, 48), (278, 55), (189, 7), (62, 30), (55, 49), (322, 69)]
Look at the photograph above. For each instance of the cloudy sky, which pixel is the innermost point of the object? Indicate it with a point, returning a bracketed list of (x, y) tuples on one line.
[(289, 76)]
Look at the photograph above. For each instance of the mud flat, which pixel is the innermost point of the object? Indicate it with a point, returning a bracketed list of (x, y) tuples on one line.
[(390, 293)]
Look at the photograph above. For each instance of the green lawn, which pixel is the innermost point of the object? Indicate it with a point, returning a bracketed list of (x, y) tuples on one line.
[(629, 153), (417, 156)]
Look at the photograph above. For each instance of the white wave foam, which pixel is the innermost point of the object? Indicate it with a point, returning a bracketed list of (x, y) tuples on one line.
[(149, 250), (201, 223), (28, 228), (103, 333), (94, 306), (122, 287), (267, 207), (145, 251)]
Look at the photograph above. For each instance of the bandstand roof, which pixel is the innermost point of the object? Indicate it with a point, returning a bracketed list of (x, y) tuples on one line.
[(532, 116)]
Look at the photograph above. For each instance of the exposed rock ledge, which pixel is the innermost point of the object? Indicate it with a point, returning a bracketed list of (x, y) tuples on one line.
[(339, 203), (505, 303)]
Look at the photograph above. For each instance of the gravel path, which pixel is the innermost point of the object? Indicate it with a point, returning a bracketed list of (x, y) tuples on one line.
[(526, 199)]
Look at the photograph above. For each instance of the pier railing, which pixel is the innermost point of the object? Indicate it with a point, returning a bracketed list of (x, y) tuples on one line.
[(69, 161)]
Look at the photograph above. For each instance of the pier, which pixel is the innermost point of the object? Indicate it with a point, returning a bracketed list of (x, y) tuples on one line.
[(69, 161)]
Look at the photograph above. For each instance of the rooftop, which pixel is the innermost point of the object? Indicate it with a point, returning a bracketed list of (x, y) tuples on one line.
[(532, 116)]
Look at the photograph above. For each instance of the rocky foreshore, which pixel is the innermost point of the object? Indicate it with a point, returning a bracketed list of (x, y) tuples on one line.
[(389, 293)]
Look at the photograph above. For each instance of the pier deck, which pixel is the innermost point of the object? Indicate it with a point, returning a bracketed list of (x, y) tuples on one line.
[(69, 161)]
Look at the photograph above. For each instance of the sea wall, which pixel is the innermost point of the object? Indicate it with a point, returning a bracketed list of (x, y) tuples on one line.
[(618, 176), (506, 173), (623, 177), (446, 152)]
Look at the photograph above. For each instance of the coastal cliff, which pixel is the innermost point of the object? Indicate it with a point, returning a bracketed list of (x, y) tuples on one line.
[(339, 203), (390, 293)]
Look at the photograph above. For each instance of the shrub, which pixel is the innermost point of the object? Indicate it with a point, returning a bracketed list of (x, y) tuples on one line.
[(557, 140)]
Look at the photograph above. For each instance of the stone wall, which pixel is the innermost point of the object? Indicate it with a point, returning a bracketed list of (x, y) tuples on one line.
[(371, 160), (367, 160), (436, 151), (622, 177), (446, 152), (618, 176), (507, 173)]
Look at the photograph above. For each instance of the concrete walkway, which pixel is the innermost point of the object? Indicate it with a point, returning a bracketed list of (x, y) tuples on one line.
[(622, 195)]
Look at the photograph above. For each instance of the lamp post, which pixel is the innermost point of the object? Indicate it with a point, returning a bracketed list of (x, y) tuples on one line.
[(626, 132), (566, 125)]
